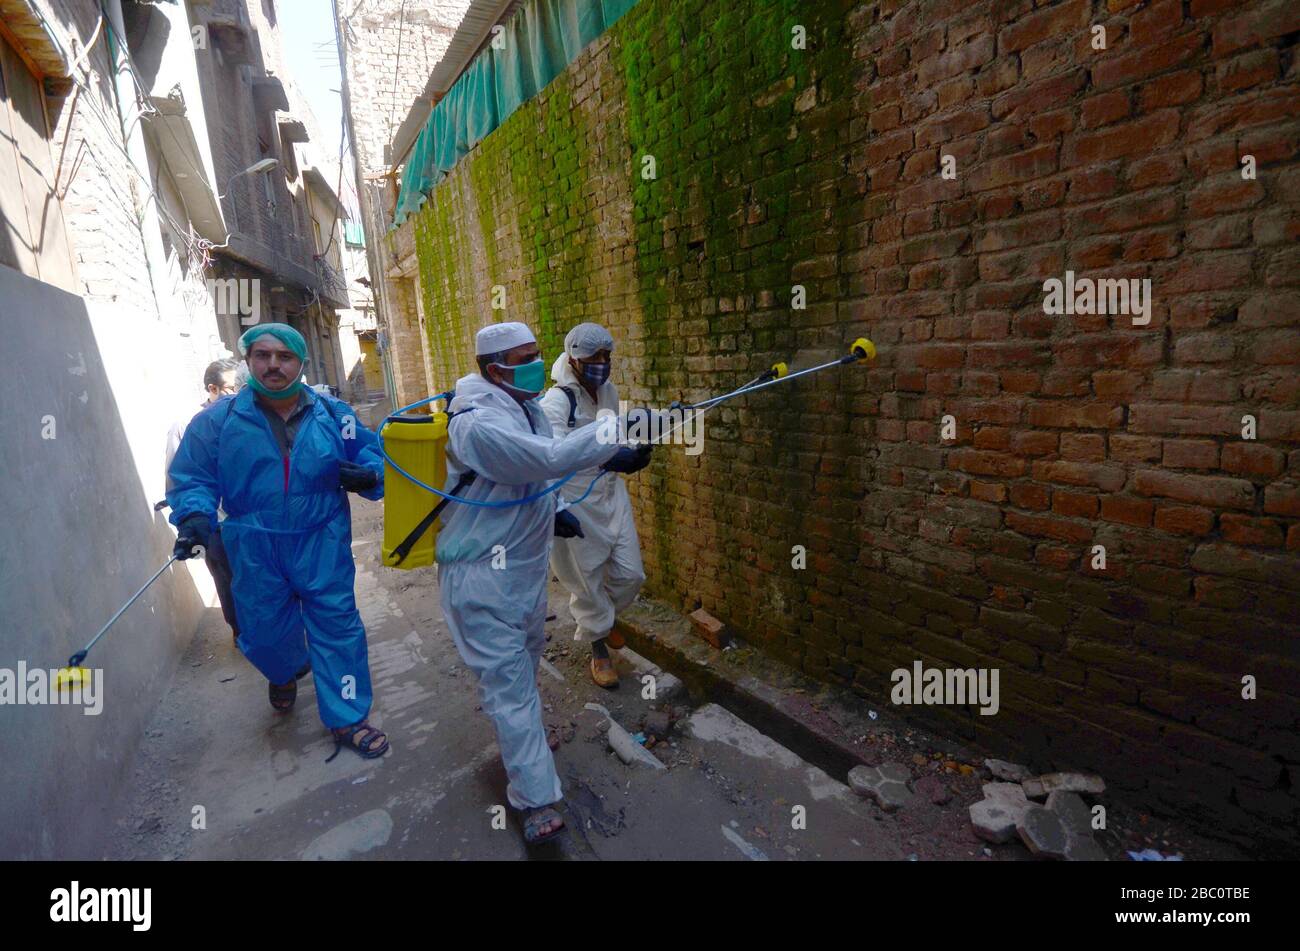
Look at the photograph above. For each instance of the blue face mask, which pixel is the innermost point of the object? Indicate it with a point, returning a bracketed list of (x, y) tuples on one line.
[(528, 378), (595, 373)]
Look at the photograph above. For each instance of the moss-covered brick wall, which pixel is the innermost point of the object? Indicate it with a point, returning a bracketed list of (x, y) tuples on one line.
[(975, 547)]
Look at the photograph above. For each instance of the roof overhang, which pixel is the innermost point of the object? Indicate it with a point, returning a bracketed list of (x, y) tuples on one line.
[(316, 180), (172, 135), (25, 30), (269, 95), (474, 31), (233, 37), (293, 130)]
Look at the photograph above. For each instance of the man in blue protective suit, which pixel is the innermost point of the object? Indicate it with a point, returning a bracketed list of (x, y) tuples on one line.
[(493, 559), (280, 460)]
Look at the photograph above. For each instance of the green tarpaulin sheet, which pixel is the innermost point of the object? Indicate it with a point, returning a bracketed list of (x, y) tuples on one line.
[(541, 39)]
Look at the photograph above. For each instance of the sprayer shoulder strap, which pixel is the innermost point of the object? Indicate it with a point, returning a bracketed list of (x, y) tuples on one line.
[(466, 479), (404, 549), (573, 404)]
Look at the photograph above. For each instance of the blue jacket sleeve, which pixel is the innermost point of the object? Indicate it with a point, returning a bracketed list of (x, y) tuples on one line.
[(362, 447), (195, 489)]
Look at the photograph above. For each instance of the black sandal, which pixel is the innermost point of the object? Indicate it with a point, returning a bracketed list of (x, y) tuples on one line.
[(533, 819), (283, 697), (366, 747)]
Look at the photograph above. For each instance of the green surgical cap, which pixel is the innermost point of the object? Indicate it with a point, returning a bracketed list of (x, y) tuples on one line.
[(282, 332)]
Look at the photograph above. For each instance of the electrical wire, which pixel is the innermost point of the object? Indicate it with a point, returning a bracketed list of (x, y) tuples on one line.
[(115, 130)]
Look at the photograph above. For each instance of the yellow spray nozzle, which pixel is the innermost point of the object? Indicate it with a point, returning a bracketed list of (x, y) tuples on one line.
[(69, 677), (863, 349), (780, 369)]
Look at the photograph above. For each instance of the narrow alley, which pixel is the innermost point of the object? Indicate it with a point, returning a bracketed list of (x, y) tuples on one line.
[(727, 792), (267, 793), (881, 417)]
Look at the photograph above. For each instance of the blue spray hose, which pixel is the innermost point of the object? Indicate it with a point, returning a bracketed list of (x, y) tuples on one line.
[(553, 487), (862, 349)]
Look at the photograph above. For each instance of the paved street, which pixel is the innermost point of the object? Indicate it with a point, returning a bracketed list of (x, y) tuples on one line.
[(267, 792)]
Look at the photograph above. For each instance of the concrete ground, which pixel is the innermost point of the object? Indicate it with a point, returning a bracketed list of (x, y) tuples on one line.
[(220, 776)]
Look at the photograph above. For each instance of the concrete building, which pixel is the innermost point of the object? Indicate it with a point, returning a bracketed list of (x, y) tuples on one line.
[(154, 201), (380, 89)]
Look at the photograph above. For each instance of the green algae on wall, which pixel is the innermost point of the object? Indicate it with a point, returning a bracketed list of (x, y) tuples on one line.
[(710, 94), (709, 91)]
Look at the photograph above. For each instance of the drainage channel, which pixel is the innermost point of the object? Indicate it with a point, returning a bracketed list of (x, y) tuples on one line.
[(754, 702)]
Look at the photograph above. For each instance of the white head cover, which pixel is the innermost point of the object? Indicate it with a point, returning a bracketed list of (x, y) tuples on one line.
[(586, 339), (497, 337)]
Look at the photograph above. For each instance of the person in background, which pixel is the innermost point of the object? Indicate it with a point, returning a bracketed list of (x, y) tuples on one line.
[(221, 378), (601, 569)]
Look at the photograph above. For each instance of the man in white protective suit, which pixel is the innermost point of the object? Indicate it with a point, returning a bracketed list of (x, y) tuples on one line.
[(601, 569), (493, 557)]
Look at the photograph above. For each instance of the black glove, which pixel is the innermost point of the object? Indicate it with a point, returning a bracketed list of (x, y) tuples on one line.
[(629, 460), (193, 530), (357, 478), (567, 525)]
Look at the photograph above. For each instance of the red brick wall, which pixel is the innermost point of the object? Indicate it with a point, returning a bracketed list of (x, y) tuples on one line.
[(1074, 431), (821, 167)]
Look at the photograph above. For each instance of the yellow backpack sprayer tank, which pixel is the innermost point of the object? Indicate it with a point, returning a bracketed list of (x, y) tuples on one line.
[(415, 448)]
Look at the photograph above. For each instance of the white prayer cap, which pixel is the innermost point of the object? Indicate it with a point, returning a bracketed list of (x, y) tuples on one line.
[(495, 338), (586, 339)]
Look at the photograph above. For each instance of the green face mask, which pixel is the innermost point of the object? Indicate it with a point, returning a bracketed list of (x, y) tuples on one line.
[(529, 378), (290, 390)]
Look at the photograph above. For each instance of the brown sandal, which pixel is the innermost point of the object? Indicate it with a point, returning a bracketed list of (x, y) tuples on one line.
[(603, 673)]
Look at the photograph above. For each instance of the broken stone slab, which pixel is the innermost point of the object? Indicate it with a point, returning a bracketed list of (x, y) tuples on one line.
[(993, 821), (1073, 811), (1088, 783), (1076, 817), (995, 816), (886, 784), (1042, 832), (1011, 793), (1011, 772), (666, 686)]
